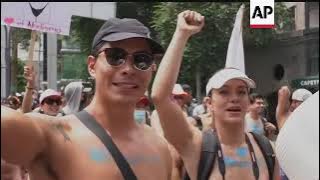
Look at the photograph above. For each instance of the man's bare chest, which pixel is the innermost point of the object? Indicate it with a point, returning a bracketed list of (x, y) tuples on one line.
[(80, 155)]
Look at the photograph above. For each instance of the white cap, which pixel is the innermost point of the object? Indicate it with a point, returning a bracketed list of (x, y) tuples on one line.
[(177, 90), (48, 93), (301, 94), (226, 74)]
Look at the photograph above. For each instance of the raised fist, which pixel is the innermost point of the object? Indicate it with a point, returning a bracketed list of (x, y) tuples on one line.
[(29, 74), (284, 91), (190, 22)]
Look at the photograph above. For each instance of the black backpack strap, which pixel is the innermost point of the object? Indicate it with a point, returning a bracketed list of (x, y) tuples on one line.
[(267, 151), (90, 122), (207, 156)]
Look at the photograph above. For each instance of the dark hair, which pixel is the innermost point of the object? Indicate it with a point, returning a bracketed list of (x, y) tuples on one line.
[(254, 96)]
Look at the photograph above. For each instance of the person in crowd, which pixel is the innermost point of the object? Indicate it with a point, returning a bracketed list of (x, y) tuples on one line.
[(189, 100), (142, 111), (254, 121), (50, 103), (201, 108), (238, 154), (72, 95), (285, 108), (14, 102), (122, 62), (179, 96), (86, 98), (206, 118)]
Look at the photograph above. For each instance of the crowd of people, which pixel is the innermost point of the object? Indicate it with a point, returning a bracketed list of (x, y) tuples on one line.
[(157, 135)]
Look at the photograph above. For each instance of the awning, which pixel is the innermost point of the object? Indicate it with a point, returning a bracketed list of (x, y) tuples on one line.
[(306, 82)]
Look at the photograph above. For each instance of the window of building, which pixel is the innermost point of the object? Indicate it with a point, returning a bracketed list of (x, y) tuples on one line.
[(313, 14)]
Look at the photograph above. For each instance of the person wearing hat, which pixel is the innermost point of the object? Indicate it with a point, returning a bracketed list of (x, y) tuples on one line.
[(50, 103), (179, 97), (284, 107), (122, 62), (228, 90)]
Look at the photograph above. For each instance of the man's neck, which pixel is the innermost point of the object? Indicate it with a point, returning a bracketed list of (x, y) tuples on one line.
[(116, 118), (254, 115), (231, 135)]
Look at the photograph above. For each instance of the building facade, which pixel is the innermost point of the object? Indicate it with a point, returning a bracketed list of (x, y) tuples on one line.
[(292, 59)]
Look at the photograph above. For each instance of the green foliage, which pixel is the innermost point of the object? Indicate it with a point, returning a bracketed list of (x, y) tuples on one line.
[(84, 29), (21, 82), (21, 36), (207, 50), (75, 66)]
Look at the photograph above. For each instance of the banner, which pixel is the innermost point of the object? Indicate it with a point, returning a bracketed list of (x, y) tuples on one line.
[(51, 17)]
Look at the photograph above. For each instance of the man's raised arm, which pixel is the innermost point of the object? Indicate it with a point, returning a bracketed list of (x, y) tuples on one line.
[(22, 138), (282, 111), (175, 126)]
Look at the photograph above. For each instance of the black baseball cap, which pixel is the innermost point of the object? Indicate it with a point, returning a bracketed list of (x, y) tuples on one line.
[(115, 29)]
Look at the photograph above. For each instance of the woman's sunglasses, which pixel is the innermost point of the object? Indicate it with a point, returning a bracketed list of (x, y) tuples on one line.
[(50, 101), (117, 56)]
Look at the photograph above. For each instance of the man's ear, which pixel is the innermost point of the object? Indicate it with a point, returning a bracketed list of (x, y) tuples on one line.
[(91, 61)]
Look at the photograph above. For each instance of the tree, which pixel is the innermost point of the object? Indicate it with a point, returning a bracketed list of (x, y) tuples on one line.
[(206, 52), (22, 36), (84, 29)]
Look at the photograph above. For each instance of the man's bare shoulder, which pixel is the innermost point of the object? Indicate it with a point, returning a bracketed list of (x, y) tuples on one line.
[(154, 136), (52, 124)]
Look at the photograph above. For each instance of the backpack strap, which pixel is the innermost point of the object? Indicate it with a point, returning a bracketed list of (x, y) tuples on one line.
[(267, 151), (207, 156), (90, 122)]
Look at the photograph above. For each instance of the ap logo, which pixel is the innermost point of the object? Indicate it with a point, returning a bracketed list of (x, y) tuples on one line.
[(261, 13)]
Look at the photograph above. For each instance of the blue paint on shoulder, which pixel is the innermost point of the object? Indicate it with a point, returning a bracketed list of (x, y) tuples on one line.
[(98, 155), (242, 151)]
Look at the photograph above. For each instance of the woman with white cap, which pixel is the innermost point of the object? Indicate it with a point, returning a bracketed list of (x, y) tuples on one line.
[(50, 103), (238, 154)]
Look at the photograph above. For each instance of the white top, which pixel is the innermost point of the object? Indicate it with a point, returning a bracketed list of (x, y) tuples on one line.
[(198, 110)]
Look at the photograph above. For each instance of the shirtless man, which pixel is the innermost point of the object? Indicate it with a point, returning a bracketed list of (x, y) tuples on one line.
[(284, 107), (62, 148), (229, 97)]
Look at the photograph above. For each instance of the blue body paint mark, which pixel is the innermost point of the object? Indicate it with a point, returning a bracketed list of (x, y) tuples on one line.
[(242, 151), (235, 163), (229, 161), (255, 128), (98, 155)]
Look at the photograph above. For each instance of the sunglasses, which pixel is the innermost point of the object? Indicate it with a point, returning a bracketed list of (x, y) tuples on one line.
[(117, 56), (50, 101)]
